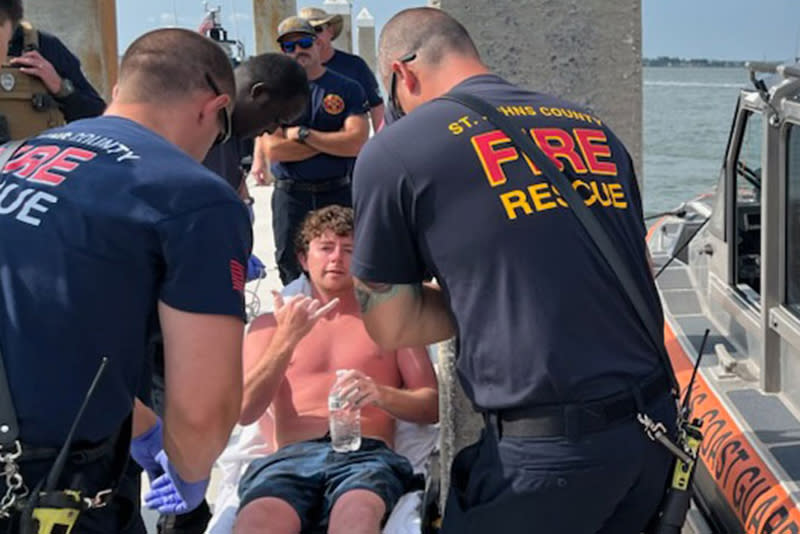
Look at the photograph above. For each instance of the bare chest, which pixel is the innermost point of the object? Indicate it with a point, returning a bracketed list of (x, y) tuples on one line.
[(342, 343)]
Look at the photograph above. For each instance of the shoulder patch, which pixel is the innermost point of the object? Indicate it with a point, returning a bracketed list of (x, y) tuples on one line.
[(333, 104)]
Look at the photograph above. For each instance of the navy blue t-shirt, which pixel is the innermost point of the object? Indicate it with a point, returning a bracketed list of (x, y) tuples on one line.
[(540, 317), (226, 161), (357, 69), (333, 98), (100, 220)]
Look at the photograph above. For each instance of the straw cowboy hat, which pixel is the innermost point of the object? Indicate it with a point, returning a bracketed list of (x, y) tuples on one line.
[(318, 17)]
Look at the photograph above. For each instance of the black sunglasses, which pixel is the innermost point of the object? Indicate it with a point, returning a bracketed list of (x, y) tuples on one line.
[(225, 117), (320, 28), (304, 42), (395, 109)]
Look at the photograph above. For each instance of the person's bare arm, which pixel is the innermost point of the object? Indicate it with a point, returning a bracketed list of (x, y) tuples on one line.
[(203, 387), (143, 418), (376, 115), (404, 315), (345, 143), (269, 346), (266, 358), (260, 167), (417, 401), (278, 147)]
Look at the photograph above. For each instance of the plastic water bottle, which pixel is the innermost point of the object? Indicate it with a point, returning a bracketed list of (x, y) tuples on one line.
[(344, 423)]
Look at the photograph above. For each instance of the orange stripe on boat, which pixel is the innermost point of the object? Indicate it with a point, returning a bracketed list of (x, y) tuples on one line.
[(652, 229), (752, 490)]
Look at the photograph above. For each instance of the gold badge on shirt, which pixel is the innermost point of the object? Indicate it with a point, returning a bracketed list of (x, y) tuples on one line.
[(333, 104)]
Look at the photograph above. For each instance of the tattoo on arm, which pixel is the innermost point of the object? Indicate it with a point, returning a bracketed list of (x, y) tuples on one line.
[(370, 294)]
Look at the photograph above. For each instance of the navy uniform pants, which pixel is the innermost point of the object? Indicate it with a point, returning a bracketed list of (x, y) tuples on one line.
[(607, 482), (289, 209)]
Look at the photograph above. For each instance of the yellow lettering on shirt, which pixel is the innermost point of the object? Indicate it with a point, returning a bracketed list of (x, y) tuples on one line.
[(514, 200)]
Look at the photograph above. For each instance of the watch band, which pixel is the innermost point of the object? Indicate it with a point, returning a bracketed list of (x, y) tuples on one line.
[(65, 90), (302, 134)]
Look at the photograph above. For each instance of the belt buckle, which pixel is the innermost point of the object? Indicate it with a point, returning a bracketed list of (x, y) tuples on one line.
[(100, 499)]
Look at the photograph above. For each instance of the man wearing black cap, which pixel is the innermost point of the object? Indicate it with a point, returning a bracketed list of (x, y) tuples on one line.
[(313, 158)]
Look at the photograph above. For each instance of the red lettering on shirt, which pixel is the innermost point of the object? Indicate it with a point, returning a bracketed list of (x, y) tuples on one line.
[(492, 158), (47, 164), (593, 144), (237, 275), (66, 161), (582, 149), (23, 166), (559, 145)]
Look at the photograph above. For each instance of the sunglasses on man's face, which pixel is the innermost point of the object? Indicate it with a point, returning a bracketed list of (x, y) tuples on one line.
[(320, 28), (395, 109), (224, 117), (304, 42)]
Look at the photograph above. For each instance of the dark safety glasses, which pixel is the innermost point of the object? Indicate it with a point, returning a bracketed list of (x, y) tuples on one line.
[(304, 42), (395, 109), (224, 117)]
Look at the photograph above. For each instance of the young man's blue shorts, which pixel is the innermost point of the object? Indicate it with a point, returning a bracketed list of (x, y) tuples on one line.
[(310, 476)]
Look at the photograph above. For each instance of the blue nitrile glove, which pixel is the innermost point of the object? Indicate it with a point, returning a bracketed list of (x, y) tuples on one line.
[(144, 449), (255, 268), (170, 494)]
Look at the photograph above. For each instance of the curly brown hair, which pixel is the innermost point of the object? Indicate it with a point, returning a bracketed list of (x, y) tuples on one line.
[(337, 219)]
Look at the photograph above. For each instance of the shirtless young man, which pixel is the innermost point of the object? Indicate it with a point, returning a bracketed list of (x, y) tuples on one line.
[(291, 358)]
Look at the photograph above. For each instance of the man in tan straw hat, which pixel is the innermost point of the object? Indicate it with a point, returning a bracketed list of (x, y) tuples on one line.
[(328, 28), (312, 158)]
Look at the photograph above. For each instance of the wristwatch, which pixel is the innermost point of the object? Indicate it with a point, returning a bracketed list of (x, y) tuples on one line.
[(302, 134), (65, 90)]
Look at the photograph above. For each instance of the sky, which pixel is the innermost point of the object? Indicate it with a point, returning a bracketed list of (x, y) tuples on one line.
[(715, 29)]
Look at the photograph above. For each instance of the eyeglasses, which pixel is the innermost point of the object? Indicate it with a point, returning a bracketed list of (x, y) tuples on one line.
[(320, 28), (304, 42), (395, 109), (225, 117)]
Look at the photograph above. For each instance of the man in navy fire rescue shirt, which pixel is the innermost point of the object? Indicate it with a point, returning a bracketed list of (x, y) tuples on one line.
[(328, 28), (312, 160), (549, 348), (110, 224)]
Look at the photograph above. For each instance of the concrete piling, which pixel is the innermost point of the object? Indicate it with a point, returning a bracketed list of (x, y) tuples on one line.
[(267, 14), (365, 23)]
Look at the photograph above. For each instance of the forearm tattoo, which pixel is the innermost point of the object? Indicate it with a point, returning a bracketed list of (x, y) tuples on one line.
[(370, 294)]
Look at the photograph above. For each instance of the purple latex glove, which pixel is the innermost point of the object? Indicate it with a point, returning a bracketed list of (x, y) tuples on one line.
[(144, 449), (170, 494), (255, 268)]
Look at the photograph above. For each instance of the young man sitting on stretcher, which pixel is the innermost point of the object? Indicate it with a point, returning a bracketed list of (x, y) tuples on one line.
[(290, 362)]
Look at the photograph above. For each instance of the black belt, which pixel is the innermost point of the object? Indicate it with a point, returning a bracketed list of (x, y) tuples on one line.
[(78, 454), (573, 420), (322, 186)]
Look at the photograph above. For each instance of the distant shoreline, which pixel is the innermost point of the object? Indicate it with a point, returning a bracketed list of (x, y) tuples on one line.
[(664, 61)]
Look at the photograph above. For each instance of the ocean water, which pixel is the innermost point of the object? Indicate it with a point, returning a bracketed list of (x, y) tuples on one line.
[(687, 117)]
